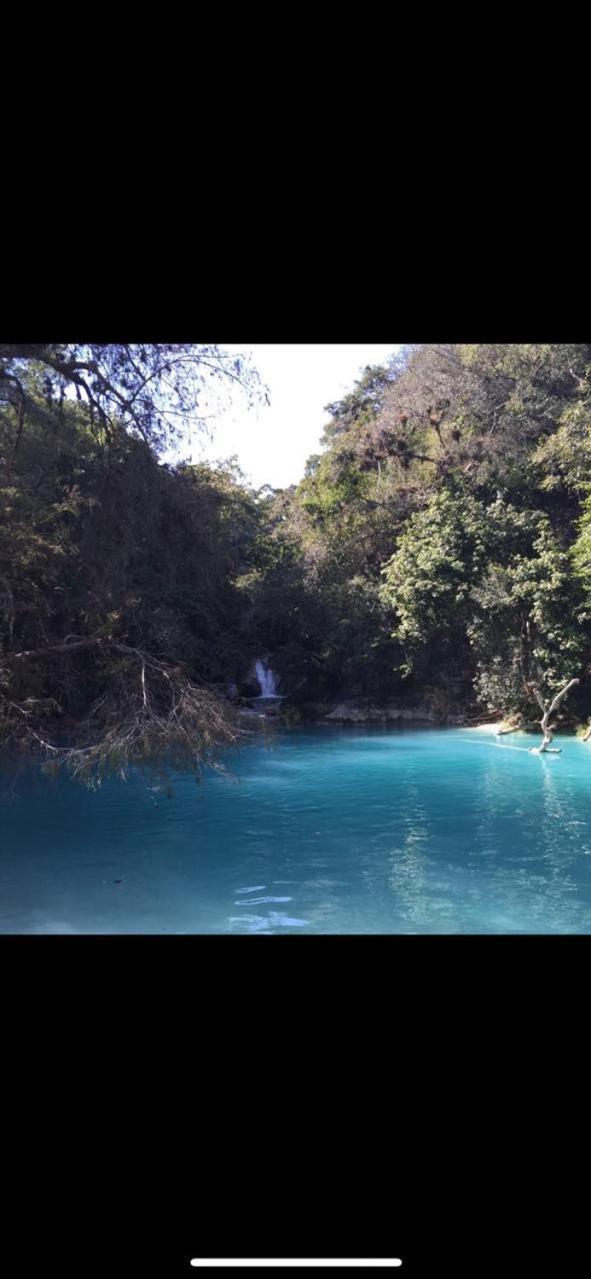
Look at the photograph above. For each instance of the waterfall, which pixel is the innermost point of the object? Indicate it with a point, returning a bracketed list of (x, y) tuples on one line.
[(266, 679)]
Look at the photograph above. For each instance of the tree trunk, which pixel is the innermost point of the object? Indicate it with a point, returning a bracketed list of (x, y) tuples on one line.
[(548, 710)]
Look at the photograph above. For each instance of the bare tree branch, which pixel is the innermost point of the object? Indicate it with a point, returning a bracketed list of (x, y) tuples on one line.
[(161, 720), (548, 709)]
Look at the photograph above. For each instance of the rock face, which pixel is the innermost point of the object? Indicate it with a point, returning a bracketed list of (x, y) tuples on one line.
[(357, 713), (262, 708)]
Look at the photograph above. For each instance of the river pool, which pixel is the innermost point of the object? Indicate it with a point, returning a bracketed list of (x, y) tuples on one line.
[(352, 830)]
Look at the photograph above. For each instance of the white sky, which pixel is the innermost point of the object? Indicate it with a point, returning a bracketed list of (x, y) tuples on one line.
[(273, 443)]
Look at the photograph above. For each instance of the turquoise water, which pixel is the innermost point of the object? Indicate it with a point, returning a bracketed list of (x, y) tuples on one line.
[(329, 831)]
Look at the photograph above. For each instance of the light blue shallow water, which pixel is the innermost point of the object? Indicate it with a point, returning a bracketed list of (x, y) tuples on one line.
[(330, 831)]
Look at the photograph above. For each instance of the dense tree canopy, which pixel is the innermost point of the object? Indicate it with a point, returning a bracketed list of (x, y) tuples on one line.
[(118, 601), (442, 539), (438, 545)]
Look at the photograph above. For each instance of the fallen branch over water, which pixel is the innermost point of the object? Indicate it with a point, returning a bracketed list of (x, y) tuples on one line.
[(150, 713)]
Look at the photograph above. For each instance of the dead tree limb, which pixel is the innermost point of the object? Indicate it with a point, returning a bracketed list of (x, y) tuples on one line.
[(151, 713), (548, 709)]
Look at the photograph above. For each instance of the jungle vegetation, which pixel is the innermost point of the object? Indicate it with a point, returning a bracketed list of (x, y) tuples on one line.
[(437, 547)]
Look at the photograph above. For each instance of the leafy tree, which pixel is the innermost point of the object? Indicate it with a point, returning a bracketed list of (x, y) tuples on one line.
[(117, 573), (490, 587), (148, 389), (439, 543)]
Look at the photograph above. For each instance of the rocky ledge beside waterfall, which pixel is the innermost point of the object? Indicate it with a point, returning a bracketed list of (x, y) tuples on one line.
[(353, 712), (436, 710)]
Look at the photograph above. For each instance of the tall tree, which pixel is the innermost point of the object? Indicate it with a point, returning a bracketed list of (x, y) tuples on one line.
[(150, 389), (110, 616)]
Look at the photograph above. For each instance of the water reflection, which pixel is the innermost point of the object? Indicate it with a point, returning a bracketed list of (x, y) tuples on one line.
[(269, 923), (356, 833), (408, 863)]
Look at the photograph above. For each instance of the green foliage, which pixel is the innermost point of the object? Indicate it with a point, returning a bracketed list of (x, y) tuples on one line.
[(526, 621), (439, 544), (110, 559), (450, 485), (495, 577), (439, 556), (581, 556)]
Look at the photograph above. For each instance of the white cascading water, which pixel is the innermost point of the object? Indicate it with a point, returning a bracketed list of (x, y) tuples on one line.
[(266, 679)]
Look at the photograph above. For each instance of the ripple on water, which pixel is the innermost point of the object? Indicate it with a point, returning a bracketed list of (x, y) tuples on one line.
[(358, 832)]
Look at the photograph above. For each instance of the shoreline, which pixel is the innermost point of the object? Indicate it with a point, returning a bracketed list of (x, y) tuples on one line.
[(496, 728)]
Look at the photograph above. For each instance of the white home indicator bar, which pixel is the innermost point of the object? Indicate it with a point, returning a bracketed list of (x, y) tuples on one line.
[(296, 1261)]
